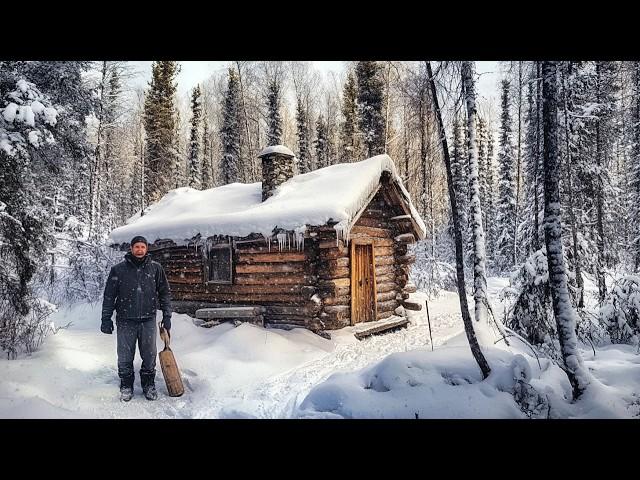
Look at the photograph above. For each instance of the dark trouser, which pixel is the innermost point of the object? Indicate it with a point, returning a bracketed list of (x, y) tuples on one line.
[(144, 332)]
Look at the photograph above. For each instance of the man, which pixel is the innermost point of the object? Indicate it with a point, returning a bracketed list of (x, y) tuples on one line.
[(134, 288)]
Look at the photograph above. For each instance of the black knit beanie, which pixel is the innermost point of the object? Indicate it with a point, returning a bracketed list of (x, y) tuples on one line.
[(138, 239)]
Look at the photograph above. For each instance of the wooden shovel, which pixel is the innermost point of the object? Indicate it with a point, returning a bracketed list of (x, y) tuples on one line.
[(169, 366)]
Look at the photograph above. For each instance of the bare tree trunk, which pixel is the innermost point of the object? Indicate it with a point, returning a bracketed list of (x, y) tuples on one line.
[(251, 173), (602, 287), (568, 129), (477, 232), (519, 165), (94, 181), (565, 315), (462, 294), (536, 226)]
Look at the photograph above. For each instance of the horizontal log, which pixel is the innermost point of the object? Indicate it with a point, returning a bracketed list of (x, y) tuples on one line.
[(384, 251), (310, 309), (372, 222), (400, 217), (403, 268), (335, 300), (273, 257), (388, 277), (287, 319), (405, 238), (190, 307), (386, 287), (383, 242), (333, 263), (394, 324), (337, 309), (339, 244), (389, 305), (179, 263), (385, 314), (274, 279), (409, 288), (401, 296), (270, 267), (170, 270), (229, 312), (337, 283), (227, 298), (375, 213), (385, 269), (408, 258), (325, 293), (370, 232), (333, 254), (341, 272), (186, 280), (237, 289), (335, 316), (252, 248), (411, 305), (172, 250), (384, 260), (384, 296)]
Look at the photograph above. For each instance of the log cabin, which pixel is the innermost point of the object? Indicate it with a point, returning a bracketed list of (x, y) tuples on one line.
[(321, 250)]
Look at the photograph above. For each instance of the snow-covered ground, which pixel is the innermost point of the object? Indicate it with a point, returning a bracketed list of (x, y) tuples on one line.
[(251, 372)]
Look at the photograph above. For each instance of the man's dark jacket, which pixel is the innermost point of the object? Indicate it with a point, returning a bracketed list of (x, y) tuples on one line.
[(136, 289)]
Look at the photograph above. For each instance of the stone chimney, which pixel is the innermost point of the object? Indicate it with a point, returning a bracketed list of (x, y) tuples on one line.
[(278, 166)]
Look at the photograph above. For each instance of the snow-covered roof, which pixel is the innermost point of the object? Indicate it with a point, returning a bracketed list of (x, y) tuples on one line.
[(335, 193), (276, 149)]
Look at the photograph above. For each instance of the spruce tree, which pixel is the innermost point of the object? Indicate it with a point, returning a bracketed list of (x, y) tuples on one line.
[(635, 167), (371, 120), (322, 159), (490, 196), (30, 139), (274, 132), (207, 169), (160, 122), (505, 253), (230, 132), (349, 128), (302, 128), (194, 162), (459, 167)]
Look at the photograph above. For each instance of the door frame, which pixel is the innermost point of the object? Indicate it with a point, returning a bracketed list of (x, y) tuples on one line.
[(352, 249)]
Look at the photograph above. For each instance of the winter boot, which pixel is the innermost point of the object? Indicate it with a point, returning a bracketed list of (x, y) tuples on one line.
[(148, 386), (126, 388)]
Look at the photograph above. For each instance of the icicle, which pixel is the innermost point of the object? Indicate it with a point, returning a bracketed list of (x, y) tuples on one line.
[(282, 238)]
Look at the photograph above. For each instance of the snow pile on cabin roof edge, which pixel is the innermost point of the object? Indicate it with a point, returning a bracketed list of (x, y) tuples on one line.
[(335, 193)]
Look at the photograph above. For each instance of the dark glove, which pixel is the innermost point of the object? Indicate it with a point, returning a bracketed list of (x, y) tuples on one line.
[(166, 322), (107, 326)]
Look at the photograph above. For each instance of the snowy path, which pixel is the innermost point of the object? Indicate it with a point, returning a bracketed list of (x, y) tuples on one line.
[(251, 372), (229, 372)]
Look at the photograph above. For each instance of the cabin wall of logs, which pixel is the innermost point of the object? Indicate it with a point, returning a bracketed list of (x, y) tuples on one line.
[(307, 287)]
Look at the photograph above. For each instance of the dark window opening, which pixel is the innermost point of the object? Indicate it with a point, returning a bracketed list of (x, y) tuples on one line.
[(219, 263)]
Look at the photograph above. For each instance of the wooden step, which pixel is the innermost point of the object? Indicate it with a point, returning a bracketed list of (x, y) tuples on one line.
[(380, 326)]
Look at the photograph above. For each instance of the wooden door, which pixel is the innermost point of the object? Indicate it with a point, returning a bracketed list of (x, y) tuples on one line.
[(363, 284)]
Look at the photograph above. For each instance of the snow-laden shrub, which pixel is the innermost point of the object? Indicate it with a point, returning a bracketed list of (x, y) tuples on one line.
[(78, 268), (620, 312), (24, 332), (530, 313), (532, 403), (431, 275)]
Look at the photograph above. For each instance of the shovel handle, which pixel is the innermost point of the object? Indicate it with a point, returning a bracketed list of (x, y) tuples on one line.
[(164, 335)]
